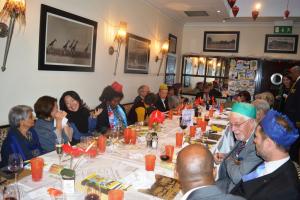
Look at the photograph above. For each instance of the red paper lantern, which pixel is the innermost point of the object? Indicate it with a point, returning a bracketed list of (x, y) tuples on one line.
[(255, 14), (231, 3), (286, 14), (235, 10)]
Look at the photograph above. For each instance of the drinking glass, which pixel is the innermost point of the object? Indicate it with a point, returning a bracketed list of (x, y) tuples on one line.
[(15, 164), (11, 193), (183, 125), (58, 147)]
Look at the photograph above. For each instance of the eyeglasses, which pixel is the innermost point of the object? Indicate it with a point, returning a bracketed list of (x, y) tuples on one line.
[(238, 125)]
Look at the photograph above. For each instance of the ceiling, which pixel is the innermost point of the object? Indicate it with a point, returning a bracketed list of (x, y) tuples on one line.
[(219, 10)]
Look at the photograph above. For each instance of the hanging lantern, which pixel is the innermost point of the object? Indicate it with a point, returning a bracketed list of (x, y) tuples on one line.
[(231, 3), (235, 10), (286, 14)]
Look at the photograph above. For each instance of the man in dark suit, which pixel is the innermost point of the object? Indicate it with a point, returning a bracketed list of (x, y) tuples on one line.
[(143, 90), (276, 177), (162, 100), (195, 171), (242, 158), (292, 109)]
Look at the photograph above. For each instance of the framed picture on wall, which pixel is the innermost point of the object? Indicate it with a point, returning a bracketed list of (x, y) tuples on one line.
[(221, 41), (137, 54), (172, 43), (171, 64), (281, 43), (67, 42)]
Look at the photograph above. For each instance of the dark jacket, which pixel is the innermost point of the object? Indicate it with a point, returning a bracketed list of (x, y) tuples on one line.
[(160, 106), (211, 192), (102, 119), (282, 184), (292, 110)]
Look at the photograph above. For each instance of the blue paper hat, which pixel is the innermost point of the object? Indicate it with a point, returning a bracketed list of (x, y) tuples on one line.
[(245, 109), (277, 132)]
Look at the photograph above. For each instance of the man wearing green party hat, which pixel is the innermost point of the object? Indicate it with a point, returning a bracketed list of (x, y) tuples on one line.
[(242, 158)]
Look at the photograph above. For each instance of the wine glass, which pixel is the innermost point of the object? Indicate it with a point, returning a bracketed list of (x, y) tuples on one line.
[(15, 164), (183, 124), (58, 147), (11, 193)]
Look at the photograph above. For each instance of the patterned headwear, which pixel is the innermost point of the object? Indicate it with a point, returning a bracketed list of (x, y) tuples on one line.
[(163, 87), (244, 109), (117, 87), (277, 132)]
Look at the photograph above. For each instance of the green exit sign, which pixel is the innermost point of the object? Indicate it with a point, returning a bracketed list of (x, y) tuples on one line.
[(283, 29)]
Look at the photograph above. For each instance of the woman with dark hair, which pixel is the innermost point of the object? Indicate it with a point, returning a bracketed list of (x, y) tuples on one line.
[(244, 96), (21, 138), (49, 124), (284, 90), (141, 110), (82, 121), (113, 114)]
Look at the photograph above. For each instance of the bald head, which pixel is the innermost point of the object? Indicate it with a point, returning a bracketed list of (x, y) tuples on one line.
[(295, 72), (194, 167)]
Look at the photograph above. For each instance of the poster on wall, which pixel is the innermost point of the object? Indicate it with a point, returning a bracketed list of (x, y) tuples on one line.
[(67, 42), (242, 76)]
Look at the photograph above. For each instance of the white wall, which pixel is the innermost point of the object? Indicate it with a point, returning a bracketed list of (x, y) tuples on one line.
[(22, 83), (252, 39)]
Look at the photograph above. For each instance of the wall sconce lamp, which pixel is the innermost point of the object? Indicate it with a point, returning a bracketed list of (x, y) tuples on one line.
[(119, 39), (255, 12), (15, 11), (164, 50)]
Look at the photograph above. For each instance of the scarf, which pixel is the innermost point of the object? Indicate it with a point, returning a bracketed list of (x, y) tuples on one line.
[(80, 118), (116, 117)]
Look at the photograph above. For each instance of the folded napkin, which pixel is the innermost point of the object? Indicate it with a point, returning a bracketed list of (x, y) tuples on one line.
[(140, 179)]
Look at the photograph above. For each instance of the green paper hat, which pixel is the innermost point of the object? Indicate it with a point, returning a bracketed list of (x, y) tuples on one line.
[(244, 109)]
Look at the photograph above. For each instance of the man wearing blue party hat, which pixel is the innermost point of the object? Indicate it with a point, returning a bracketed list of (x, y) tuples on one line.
[(242, 158), (276, 177)]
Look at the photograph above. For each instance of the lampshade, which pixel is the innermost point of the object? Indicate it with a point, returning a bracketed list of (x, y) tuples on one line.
[(14, 8)]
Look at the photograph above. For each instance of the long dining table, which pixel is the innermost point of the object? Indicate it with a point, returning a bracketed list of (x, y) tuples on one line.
[(121, 162)]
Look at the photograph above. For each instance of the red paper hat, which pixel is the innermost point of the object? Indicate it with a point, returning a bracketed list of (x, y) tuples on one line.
[(117, 86)]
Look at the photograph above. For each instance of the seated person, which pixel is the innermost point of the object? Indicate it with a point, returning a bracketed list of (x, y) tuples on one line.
[(242, 158), (46, 110), (21, 138), (215, 91), (81, 120), (262, 107), (195, 172), (174, 98), (276, 177), (141, 110), (143, 90), (113, 114), (267, 96), (243, 96), (205, 93), (162, 100), (199, 87)]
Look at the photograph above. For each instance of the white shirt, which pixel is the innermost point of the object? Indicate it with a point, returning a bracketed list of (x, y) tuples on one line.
[(163, 101), (185, 196), (271, 166)]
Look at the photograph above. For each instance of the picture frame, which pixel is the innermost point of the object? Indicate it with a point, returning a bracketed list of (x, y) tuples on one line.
[(171, 64), (281, 43), (172, 43), (221, 41), (67, 42), (137, 54)]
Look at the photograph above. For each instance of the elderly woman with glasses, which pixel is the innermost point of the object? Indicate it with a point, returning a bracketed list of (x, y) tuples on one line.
[(21, 137)]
